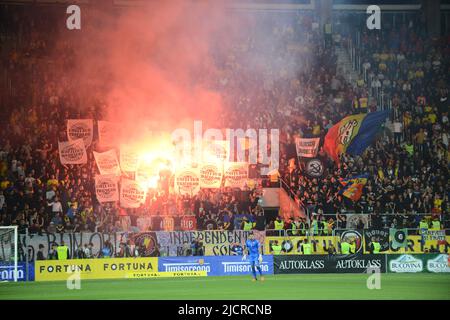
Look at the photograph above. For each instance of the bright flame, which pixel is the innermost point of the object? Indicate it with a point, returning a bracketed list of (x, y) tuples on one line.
[(156, 154)]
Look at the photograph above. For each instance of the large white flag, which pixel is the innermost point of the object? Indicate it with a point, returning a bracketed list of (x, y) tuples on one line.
[(72, 152), (107, 162), (106, 188), (187, 181), (80, 129), (132, 193), (108, 133), (211, 175), (129, 159), (236, 174), (307, 147)]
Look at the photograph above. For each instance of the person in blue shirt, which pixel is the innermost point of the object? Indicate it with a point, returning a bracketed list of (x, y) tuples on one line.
[(253, 249)]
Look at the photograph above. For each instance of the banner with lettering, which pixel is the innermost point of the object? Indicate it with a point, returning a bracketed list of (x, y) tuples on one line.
[(189, 223), (107, 162), (129, 159), (72, 152), (108, 133), (236, 174), (132, 193), (215, 242), (211, 175), (80, 129), (106, 188), (187, 181), (307, 147), (216, 150)]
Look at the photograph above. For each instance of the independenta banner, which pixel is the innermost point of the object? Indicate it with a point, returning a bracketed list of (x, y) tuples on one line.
[(72, 152), (307, 147), (236, 174), (80, 129), (187, 181), (132, 194), (211, 175), (129, 159), (107, 162), (108, 132), (106, 188)]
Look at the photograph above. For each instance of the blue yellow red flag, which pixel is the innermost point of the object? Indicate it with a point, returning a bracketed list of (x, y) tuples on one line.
[(354, 186), (353, 134)]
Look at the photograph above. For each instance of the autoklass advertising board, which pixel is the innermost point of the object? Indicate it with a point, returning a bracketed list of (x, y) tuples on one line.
[(357, 263), (213, 265)]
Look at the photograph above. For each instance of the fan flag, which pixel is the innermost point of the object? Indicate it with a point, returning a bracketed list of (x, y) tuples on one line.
[(353, 186), (353, 134)]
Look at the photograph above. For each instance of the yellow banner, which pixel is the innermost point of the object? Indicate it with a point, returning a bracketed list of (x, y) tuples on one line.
[(292, 245), (113, 268), (415, 246), (180, 274)]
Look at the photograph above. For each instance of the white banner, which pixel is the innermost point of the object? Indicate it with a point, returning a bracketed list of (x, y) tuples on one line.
[(80, 129), (216, 150), (108, 133), (129, 159), (107, 162), (211, 175), (307, 147), (106, 188), (236, 174), (72, 152), (187, 181), (132, 194)]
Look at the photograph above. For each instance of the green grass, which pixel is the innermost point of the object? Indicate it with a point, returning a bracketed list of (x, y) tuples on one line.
[(313, 286)]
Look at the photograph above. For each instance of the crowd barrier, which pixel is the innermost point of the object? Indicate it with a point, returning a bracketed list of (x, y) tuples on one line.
[(123, 268)]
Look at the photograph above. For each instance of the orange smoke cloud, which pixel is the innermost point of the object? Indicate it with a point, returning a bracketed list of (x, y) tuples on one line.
[(154, 64)]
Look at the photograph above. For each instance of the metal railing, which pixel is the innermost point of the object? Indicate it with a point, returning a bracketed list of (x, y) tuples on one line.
[(367, 219)]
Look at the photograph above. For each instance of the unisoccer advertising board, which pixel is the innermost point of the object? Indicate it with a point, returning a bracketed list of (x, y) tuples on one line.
[(213, 265)]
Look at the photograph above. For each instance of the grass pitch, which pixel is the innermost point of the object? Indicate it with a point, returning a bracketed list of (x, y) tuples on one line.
[(276, 287)]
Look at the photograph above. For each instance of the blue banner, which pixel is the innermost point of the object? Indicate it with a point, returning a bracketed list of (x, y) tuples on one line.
[(7, 272), (214, 265)]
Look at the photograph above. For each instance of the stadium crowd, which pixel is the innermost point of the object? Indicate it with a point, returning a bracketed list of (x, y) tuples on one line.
[(408, 165)]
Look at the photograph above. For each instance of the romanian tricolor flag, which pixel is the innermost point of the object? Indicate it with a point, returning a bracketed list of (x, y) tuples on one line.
[(353, 186), (353, 134)]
